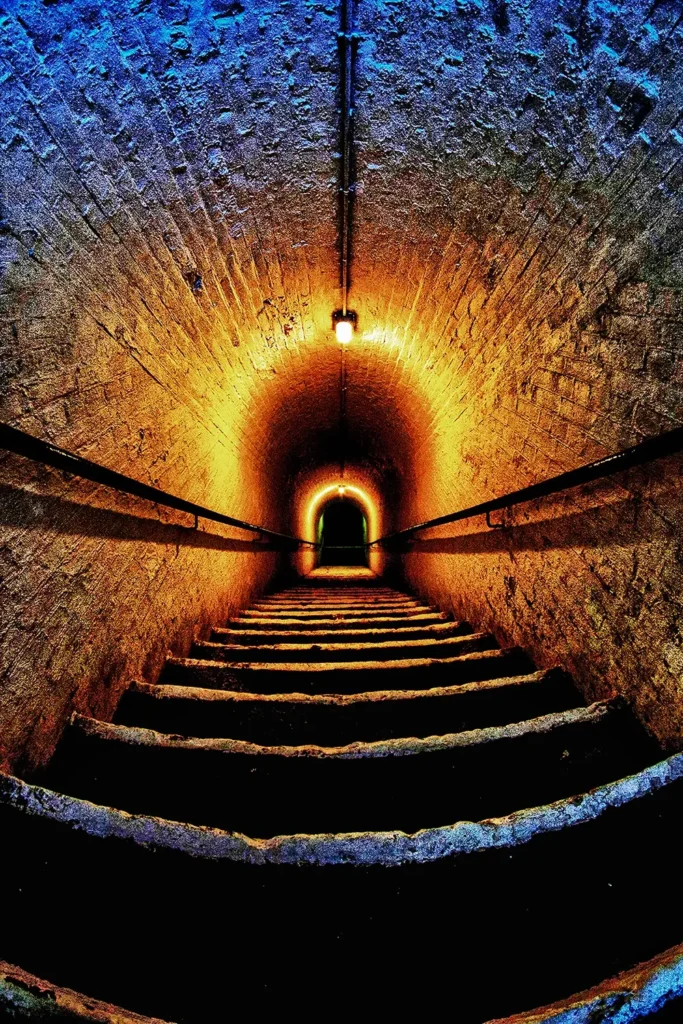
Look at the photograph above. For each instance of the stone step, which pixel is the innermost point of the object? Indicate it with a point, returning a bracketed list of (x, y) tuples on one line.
[(551, 900), (326, 622), (338, 605), (256, 638), (343, 718), (385, 650), (403, 784), (368, 598), (289, 599), (308, 593), (24, 996), (346, 677), (651, 990), (301, 614), (376, 594)]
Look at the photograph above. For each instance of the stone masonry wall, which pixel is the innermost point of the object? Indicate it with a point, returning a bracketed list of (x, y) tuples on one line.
[(148, 292), (518, 249), (168, 269)]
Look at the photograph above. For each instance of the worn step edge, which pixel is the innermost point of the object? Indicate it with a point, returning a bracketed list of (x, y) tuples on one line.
[(309, 596), (630, 996), (388, 621), (595, 714), (345, 599), (346, 595), (335, 595), (363, 598), (34, 998), (385, 602), (321, 667), (351, 848), (436, 630), (337, 591), (362, 588), (336, 606), (381, 646), (364, 612), (163, 691)]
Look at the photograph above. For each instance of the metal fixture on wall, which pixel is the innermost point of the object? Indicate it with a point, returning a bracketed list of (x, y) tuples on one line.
[(344, 325), (343, 319), (342, 413), (348, 42)]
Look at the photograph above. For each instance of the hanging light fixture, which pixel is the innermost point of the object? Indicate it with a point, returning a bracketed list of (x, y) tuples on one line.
[(343, 320), (344, 325)]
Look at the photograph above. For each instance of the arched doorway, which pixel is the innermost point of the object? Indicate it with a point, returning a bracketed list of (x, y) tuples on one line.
[(343, 534)]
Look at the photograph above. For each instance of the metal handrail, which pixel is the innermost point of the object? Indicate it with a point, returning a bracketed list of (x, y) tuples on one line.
[(653, 448), (30, 447)]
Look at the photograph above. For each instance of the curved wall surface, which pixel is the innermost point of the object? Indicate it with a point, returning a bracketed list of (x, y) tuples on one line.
[(168, 270)]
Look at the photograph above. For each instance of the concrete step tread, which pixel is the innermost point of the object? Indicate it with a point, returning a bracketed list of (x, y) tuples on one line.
[(343, 591), (641, 991), (351, 602), (337, 613), (220, 651), (338, 607), (336, 676), (594, 714), (40, 999), (335, 595), (224, 634), (165, 691), (333, 719), (345, 595), (339, 595), (404, 783), (315, 668), (365, 848), (337, 622)]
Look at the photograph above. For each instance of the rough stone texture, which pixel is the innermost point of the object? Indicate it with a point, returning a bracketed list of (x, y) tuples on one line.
[(362, 848), (594, 715), (168, 267), (129, 298), (340, 677), (631, 996), (162, 691), (23, 996), (518, 245), (640, 992)]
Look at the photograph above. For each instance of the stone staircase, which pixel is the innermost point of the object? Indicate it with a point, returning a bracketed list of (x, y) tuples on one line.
[(345, 803)]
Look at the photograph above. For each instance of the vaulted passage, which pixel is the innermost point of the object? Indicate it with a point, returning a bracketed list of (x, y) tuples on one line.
[(281, 282), (343, 532), (316, 765)]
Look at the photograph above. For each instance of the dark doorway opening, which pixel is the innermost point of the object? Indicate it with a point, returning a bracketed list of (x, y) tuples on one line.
[(343, 534)]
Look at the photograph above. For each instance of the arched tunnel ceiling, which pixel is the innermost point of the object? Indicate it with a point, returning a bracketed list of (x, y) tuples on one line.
[(169, 197)]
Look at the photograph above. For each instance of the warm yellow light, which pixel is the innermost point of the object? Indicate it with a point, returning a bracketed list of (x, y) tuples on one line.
[(344, 331), (342, 491), (367, 503)]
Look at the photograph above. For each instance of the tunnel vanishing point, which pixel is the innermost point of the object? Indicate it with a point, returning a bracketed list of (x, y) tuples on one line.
[(341, 568)]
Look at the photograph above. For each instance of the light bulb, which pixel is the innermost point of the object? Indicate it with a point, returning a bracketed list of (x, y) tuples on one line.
[(344, 331)]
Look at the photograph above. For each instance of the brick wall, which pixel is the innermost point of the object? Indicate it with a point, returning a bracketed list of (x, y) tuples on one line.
[(518, 249), (168, 269), (312, 490), (150, 290)]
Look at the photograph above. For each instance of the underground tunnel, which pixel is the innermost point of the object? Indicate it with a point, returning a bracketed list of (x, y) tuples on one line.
[(342, 533), (341, 353)]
